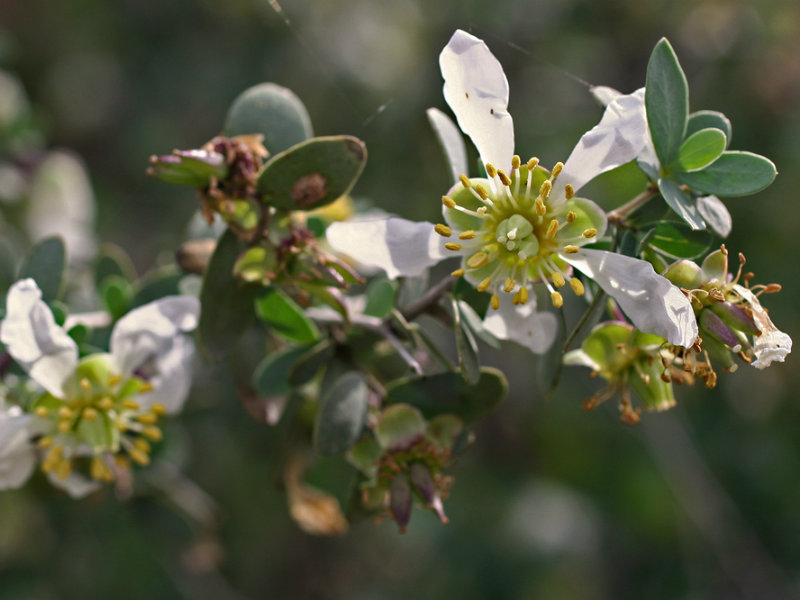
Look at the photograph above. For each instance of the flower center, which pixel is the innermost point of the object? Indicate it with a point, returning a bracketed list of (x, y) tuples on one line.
[(511, 232), (99, 420)]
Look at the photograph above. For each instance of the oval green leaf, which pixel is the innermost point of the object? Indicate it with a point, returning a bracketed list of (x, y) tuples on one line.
[(703, 119), (273, 111), (399, 425), (667, 101), (342, 414), (272, 376), (676, 241), (701, 149), (681, 203), (313, 173), (380, 298), (735, 173), (45, 264), (285, 317)]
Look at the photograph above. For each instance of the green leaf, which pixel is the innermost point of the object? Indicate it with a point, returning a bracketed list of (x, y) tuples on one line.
[(466, 346), (449, 393), (113, 261), (380, 298), (285, 317), (273, 111), (271, 377), (45, 263), (471, 319), (703, 119), (398, 426), (735, 173), (676, 241), (116, 293), (342, 414), (667, 101), (682, 204), (313, 173), (701, 149), (311, 362), (227, 303)]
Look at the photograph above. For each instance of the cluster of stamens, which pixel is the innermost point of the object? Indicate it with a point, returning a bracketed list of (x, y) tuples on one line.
[(108, 420), (518, 233)]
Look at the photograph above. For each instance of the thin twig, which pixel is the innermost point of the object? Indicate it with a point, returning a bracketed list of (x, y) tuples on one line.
[(619, 214), (428, 299)]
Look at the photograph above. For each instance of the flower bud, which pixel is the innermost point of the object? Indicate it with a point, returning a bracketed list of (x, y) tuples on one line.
[(400, 501), (735, 316), (189, 167), (710, 322)]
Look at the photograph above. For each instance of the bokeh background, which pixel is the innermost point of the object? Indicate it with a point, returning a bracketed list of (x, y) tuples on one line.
[(550, 502)]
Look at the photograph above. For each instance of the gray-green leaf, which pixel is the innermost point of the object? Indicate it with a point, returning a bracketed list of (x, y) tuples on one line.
[(285, 317), (45, 264), (735, 173), (667, 101), (341, 415), (701, 149), (703, 119), (682, 204)]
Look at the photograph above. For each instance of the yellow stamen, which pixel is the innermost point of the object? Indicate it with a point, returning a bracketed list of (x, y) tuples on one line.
[(590, 232), (481, 191), (453, 246), (481, 210), (41, 411), (64, 412), (515, 161), (64, 426), (546, 188), (552, 229), (139, 457), (523, 295), (576, 286), (147, 418), (45, 442), (158, 408), (491, 171), (122, 462), (142, 444), (448, 202), (100, 471), (130, 404), (556, 170), (509, 285), (63, 470), (558, 279), (569, 191), (457, 273), (558, 299), (443, 230), (477, 260), (86, 385), (484, 285), (90, 414), (503, 178), (571, 249), (495, 302), (465, 181), (152, 433), (572, 216), (106, 403), (467, 235), (540, 206), (531, 164), (145, 386), (115, 379)]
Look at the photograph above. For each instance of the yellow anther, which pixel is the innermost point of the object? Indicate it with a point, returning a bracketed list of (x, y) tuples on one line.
[(503, 177), (142, 444), (54, 455), (152, 433), (64, 412), (481, 191), (509, 285), (557, 299), (45, 442), (515, 161), (106, 403), (448, 202), (546, 188), (453, 246), (443, 230), (457, 273), (139, 457), (540, 206), (145, 386), (495, 302), (63, 470), (100, 471), (90, 414), (484, 285), (572, 216), (552, 229), (481, 210), (531, 164), (130, 404), (465, 181), (122, 427), (41, 411), (147, 418), (576, 286), (556, 170), (467, 235), (571, 249), (569, 191), (523, 295), (158, 408), (589, 233), (64, 426), (122, 462), (115, 379), (491, 170), (558, 279), (477, 260), (86, 385)]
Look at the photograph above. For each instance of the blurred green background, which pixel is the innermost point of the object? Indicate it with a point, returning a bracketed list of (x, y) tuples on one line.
[(550, 502)]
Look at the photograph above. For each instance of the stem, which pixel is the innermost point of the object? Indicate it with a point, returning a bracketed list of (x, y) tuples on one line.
[(415, 330), (428, 299), (618, 215)]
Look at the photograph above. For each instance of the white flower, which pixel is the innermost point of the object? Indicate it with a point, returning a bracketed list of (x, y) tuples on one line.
[(771, 344), (523, 224), (17, 456), (103, 405)]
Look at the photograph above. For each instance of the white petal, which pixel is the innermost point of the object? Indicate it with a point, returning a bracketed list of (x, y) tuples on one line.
[(398, 246), (476, 89), (152, 341), (715, 214), (603, 94), (17, 456), (451, 141), (77, 486), (522, 324), (616, 139), (772, 345), (32, 337), (651, 302)]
